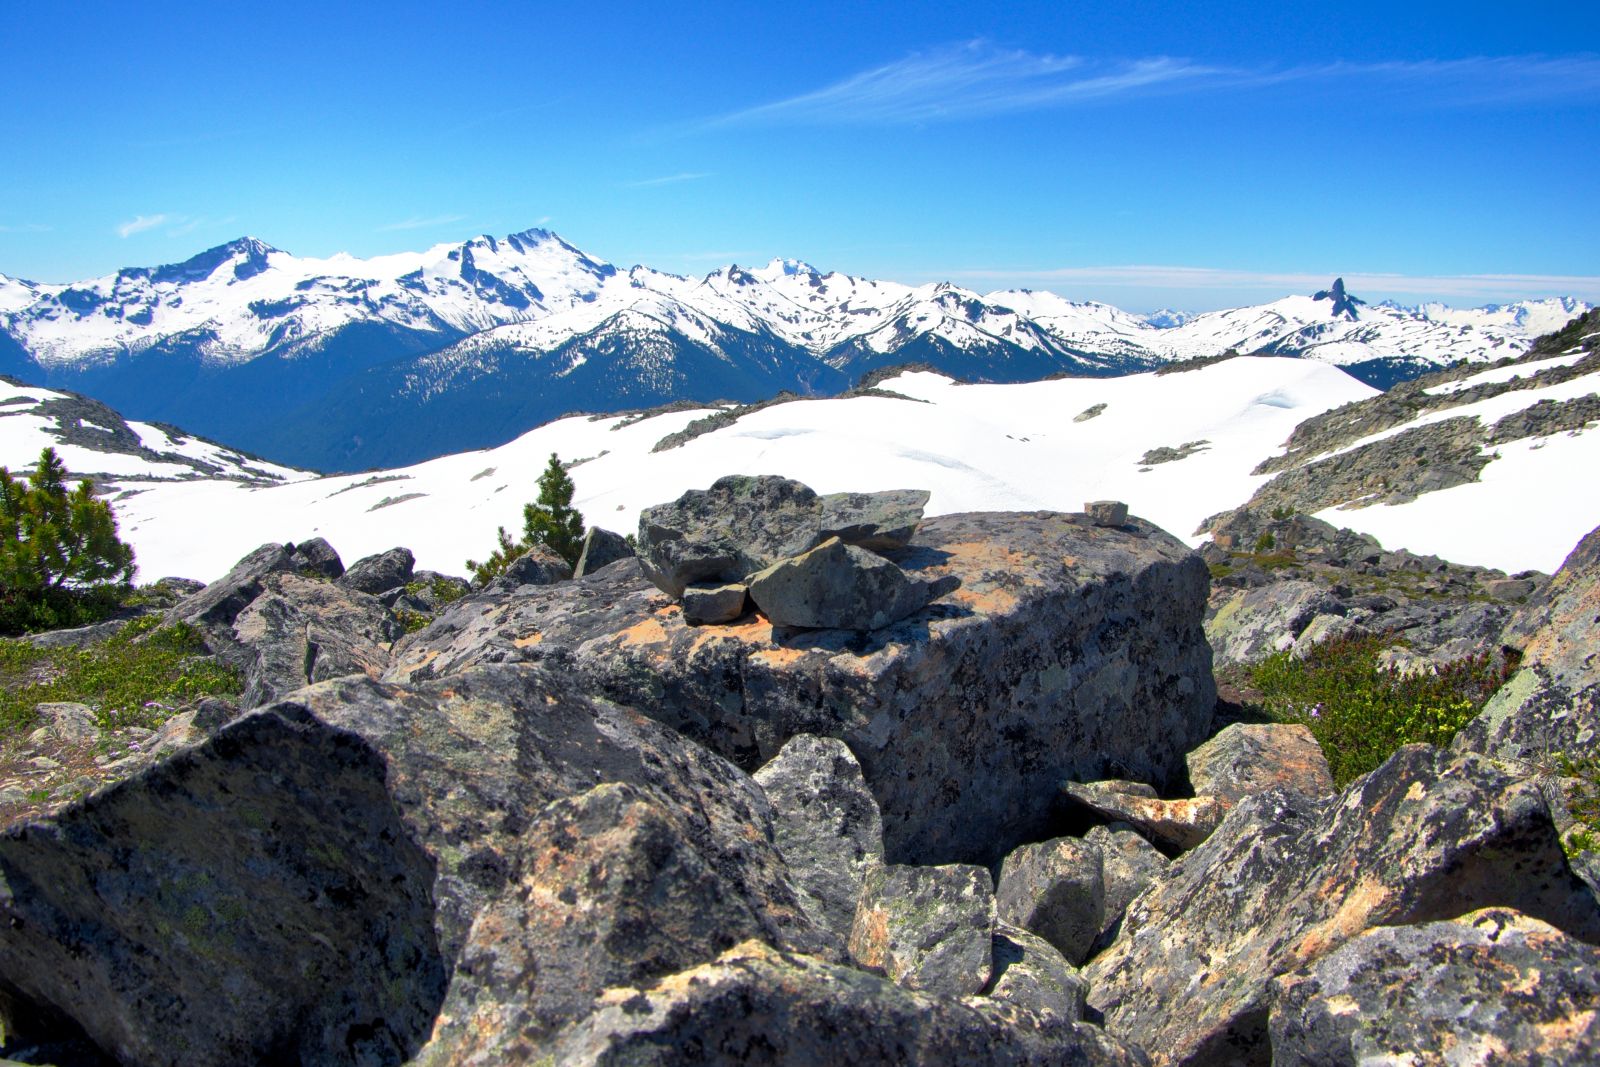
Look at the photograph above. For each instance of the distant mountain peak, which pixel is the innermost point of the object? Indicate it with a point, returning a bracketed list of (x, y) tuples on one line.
[(778, 267), (1344, 305)]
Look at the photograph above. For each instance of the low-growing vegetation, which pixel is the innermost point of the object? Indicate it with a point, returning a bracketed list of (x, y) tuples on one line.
[(1583, 801), (1361, 710), (136, 677)]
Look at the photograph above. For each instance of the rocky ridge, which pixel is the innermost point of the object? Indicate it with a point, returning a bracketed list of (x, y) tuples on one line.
[(561, 823)]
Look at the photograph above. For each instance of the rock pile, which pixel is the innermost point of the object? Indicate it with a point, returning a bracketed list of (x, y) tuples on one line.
[(559, 824), (803, 560)]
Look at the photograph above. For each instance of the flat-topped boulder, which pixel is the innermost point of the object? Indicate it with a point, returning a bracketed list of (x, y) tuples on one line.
[(1068, 651)]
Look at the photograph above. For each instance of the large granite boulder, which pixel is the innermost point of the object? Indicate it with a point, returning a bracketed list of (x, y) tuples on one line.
[(1068, 651), (754, 1006), (744, 523), (493, 825), (927, 928), (301, 630), (1551, 706), (1286, 879), (836, 586), (827, 824), (1493, 986), (316, 559), (255, 899), (610, 888)]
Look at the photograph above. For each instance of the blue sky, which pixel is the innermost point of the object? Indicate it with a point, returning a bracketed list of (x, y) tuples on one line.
[(1191, 155)]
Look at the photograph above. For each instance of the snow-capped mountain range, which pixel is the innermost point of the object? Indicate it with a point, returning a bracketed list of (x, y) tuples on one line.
[(344, 363)]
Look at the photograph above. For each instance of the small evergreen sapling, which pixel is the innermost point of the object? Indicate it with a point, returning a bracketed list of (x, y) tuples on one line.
[(550, 521), (61, 561)]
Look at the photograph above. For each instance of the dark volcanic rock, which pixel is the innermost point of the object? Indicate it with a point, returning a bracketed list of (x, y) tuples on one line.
[(1493, 986), (743, 524), (1287, 879), (1055, 889), (302, 630), (1069, 651), (1249, 758), (218, 604), (381, 572), (255, 899), (754, 1007), (1551, 705), (836, 586), (316, 558), (600, 547), (927, 928), (537, 566), (827, 824)]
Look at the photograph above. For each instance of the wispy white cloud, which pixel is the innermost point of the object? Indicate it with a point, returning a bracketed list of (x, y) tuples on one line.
[(141, 223), (1486, 287), (976, 78), (419, 222), (669, 179)]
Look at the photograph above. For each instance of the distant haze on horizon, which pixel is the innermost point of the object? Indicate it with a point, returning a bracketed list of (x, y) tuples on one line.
[(1193, 156)]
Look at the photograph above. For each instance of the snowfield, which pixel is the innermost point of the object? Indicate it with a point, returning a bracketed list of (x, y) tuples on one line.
[(1049, 445)]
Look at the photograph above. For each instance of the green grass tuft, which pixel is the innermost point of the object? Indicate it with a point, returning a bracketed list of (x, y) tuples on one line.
[(136, 677), (1360, 710)]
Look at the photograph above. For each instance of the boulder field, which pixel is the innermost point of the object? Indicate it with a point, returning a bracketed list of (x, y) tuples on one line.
[(580, 821)]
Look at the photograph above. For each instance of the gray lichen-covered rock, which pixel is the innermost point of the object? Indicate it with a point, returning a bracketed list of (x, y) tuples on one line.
[(1551, 706), (827, 825), (837, 586), (69, 722), (611, 888), (1130, 864), (600, 548), (1175, 825), (301, 630), (219, 603), (1248, 758), (705, 604), (1069, 652), (1287, 879), (754, 1006), (1055, 889), (1029, 973), (927, 928), (257, 898), (380, 572), (537, 566), (1493, 986), (474, 759), (743, 524), (1255, 623)]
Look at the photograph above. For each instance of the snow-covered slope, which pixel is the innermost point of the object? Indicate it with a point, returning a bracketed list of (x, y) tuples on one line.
[(94, 441), (1048, 445), (299, 358)]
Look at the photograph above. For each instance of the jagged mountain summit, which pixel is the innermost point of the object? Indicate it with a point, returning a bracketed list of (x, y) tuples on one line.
[(343, 363)]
